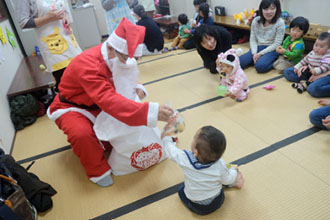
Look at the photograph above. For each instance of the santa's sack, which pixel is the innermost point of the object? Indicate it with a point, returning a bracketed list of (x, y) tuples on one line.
[(140, 148)]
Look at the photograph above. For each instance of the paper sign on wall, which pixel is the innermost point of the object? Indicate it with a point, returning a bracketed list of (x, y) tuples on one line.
[(11, 37), (3, 38)]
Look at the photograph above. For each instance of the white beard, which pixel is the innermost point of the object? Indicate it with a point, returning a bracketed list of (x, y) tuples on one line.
[(125, 78)]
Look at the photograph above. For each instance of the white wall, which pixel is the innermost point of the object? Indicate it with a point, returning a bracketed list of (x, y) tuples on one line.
[(317, 11), (8, 68), (100, 16), (182, 6)]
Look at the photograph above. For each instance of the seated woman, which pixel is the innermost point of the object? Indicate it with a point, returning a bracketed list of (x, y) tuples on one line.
[(153, 40), (267, 33), (209, 42), (321, 117)]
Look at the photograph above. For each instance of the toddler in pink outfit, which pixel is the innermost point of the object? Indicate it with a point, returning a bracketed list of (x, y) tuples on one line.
[(232, 76)]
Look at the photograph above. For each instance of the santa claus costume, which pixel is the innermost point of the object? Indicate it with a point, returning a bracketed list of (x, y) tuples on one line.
[(235, 81), (87, 88), (134, 147)]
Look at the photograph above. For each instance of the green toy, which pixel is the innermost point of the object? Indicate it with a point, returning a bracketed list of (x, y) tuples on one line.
[(222, 90)]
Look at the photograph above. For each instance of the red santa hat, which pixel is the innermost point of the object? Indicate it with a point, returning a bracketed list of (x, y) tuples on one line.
[(128, 39)]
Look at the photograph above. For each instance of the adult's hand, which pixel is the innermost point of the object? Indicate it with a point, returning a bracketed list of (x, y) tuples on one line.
[(164, 113), (52, 15), (256, 57), (326, 122), (66, 19)]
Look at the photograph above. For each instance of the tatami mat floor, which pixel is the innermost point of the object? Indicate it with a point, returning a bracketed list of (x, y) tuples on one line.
[(284, 159)]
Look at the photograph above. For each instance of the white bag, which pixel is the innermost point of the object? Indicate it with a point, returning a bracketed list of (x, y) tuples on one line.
[(135, 148)]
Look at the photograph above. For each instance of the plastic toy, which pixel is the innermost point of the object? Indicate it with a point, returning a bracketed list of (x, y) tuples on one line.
[(238, 18), (285, 15), (269, 87), (37, 50), (42, 67), (253, 15), (67, 28), (243, 16), (175, 125), (222, 90)]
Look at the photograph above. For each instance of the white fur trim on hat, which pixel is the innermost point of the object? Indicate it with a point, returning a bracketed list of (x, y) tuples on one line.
[(120, 45), (227, 62), (131, 61)]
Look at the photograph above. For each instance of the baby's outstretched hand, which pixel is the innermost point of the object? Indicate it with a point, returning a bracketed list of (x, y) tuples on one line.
[(168, 129), (231, 95), (140, 93)]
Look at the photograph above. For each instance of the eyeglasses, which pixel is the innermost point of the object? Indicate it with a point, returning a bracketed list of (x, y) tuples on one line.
[(124, 56)]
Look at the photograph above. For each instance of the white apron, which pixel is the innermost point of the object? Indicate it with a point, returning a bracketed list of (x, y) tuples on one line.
[(56, 46), (134, 147)]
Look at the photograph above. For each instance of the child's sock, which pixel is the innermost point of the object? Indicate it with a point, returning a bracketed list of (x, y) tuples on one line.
[(294, 85)]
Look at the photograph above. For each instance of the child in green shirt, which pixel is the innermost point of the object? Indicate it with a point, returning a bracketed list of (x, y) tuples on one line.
[(182, 36), (293, 46)]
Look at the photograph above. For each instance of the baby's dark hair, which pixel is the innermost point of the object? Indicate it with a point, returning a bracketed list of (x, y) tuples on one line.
[(183, 19), (205, 9), (211, 144), (300, 22), (324, 36)]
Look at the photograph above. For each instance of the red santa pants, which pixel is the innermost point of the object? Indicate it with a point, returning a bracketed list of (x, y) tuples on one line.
[(81, 136)]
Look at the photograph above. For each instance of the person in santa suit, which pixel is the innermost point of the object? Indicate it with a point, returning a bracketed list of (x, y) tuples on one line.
[(87, 88)]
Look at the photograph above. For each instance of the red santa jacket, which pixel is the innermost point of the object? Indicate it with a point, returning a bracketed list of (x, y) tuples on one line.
[(88, 81)]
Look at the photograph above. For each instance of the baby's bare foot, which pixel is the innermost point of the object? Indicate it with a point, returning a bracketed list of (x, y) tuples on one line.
[(239, 181)]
